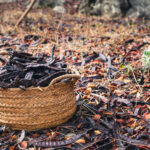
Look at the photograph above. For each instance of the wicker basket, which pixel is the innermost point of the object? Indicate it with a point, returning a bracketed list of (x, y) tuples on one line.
[(37, 108)]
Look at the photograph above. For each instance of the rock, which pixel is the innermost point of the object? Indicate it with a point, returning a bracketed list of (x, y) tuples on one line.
[(142, 3), (85, 7), (124, 6), (7, 1), (97, 9), (57, 5), (59, 9), (115, 8), (111, 8), (51, 3), (46, 3), (139, 8), (101, 7)]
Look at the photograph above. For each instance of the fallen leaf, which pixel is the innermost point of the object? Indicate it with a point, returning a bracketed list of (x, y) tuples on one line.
[(147, 116), (97, 117), (24, 144), (97, 132), (119, 92), (82, 140), (91, 85)]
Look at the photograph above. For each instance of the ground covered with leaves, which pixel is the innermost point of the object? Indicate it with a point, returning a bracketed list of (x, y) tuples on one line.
[(113, 93)]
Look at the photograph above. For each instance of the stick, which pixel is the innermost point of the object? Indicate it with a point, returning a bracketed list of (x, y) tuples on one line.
[(25, 13)]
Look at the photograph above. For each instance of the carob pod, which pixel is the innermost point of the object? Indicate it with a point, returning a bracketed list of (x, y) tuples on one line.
[(48, 79), (24, 70)]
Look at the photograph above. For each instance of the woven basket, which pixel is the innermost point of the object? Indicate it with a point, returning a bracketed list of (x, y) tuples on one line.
[(37, 108)]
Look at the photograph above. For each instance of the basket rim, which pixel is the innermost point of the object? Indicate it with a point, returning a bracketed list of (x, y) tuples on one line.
[(45, 88)]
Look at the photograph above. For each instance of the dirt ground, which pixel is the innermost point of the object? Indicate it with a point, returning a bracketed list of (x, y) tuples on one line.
[(119, 82)]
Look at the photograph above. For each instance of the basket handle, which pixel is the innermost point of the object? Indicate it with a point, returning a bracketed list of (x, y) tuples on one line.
[(64, 77)]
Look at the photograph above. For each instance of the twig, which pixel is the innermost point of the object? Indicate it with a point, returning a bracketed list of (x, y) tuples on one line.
[(25, 13), (136, 80)]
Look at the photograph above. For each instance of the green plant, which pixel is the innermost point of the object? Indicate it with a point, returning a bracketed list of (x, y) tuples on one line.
[(146, 58)]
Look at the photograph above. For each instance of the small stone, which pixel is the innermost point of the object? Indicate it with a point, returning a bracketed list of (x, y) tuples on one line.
[(59, 9)]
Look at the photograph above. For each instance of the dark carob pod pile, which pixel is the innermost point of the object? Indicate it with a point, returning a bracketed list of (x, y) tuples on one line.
[(23, 70)]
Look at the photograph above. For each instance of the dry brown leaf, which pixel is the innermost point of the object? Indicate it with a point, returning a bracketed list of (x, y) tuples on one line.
[(82, 140), (24, 144), (97, 132), (119, 92)]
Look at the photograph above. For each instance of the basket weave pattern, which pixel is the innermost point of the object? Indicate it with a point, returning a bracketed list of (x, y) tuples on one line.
[(37, 108)]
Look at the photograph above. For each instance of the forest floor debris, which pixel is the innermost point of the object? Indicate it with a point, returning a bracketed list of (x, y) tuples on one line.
[(113, 93)]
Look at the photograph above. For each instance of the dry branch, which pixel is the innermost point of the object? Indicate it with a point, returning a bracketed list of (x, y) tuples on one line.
[(25, 13)]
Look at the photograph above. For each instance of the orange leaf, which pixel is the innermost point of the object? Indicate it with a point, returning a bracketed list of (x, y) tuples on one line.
[(97, 117), (79, 125), (24, 144), (133, 92), (91, 85), (82, 140), (97, 132), (120, 78), (120, 120), (12, 148), (119, 92), (147, 116), (68, 146), (107, 113)]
